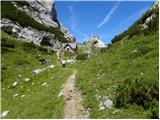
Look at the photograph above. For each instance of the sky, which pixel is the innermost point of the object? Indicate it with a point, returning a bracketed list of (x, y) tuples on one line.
[(103, 18)]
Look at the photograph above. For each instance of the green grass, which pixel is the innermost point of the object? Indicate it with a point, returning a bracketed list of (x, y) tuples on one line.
[(19, 57), (125, 75), (8, 10)]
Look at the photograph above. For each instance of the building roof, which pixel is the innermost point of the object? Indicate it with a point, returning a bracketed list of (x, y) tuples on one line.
[(72, 45)]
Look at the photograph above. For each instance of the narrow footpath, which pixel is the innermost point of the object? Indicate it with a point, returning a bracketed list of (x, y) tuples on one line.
[(73, 108)]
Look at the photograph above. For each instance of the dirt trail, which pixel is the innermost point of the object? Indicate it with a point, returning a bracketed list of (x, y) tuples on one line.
[(73, 108)]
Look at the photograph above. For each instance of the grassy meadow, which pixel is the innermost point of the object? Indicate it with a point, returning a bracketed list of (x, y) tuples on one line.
[(30, 99), (125, 72)]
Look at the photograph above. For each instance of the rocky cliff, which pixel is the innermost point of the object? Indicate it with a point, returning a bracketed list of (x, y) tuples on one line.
[(33, 21), (67, 34)]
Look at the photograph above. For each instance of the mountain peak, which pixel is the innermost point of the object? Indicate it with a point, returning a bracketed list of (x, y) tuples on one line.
[(97, 41)]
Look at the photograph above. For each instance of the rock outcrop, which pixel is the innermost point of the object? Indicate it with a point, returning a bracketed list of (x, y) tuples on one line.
[(42, 13), (95, 41), (67, 34), (30, 34)]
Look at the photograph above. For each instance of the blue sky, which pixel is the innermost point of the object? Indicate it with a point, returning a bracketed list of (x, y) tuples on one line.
[(103, 18)]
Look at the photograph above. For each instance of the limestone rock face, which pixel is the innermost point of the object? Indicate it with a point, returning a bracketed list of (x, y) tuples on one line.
[(43, 12), (67, 34), (29, 34), (152, 17)]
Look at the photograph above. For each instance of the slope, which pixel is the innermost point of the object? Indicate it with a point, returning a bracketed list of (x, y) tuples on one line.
[(122, 82), (29, 88)]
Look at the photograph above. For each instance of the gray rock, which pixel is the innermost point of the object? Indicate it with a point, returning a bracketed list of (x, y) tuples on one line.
[(67, 34), (42, 11), (29, 34), (4, 113), (108, 103)]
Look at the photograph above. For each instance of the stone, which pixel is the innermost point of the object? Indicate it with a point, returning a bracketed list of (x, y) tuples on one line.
[(15, 83), (108, 103), (26, 79), (22, 96), (116, 111), (37, 71), (134, 51), (101, 108), (20, 75), (61, 93), (4, 113), (45, 84), (15, 95), (51, 66)]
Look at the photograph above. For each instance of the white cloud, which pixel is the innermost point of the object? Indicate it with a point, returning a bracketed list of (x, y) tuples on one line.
[(108, 16)]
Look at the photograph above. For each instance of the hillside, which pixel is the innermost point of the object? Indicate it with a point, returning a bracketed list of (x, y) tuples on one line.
[(33, 21), (30, 88), (125, 74)]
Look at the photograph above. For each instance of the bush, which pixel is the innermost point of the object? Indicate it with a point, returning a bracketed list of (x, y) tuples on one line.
[(6, 43), (82, 56), (28, 47), (42, 49), (137, 52), (137, 91), (21, 62), (103, 50), (155, 111)]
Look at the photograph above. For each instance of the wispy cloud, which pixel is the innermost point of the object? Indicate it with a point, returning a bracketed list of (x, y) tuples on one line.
[(108, 16), (74, 22), (73, 18)]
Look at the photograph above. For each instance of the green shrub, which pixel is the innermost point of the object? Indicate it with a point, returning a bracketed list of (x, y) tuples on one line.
[(42, 49), (155, 111), (21, 62), (144, 49), (137, 52), (6, 43), (103, 50), (136, 91), (69, 54), (28, 47), (82, 56)]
